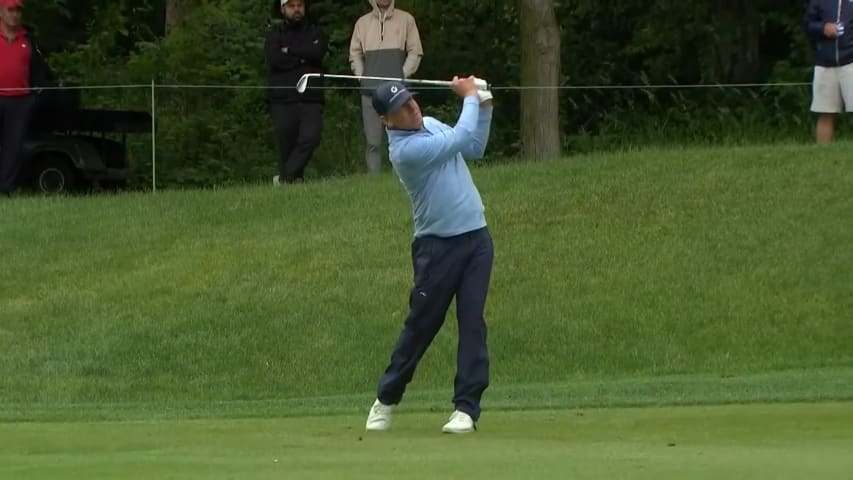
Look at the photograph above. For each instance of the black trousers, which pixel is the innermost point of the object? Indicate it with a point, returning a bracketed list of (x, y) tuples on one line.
[(298, 127), (15, 116), (459, 266)]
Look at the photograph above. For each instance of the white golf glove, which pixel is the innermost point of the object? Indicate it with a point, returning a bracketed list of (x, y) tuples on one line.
[(484, 95)]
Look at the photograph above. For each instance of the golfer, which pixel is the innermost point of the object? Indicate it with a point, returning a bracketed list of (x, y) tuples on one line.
[(452, 249)]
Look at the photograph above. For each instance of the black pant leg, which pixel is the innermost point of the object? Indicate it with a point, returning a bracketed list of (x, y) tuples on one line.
[(3, 150), (308, 139), (15, 115), (472, 361), (285, 119), (435, 284)]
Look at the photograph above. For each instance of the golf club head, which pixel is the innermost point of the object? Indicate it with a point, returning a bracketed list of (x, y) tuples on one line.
[(302, 84)]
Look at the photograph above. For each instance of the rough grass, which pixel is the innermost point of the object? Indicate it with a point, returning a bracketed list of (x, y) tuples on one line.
[(647, 265)]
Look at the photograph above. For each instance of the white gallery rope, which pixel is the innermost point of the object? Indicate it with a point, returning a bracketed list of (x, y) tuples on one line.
[(493, 87)]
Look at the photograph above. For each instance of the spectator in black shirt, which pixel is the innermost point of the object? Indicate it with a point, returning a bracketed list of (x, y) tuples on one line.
[(295, 48)]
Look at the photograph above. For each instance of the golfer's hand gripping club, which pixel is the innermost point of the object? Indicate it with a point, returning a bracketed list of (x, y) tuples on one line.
[(466, 86), (484, 94), (472, 85)]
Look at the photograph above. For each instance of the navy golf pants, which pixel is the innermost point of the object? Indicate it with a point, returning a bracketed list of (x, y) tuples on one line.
[(445, 268)]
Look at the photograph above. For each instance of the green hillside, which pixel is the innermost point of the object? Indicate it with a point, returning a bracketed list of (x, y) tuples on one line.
[(618, 279)]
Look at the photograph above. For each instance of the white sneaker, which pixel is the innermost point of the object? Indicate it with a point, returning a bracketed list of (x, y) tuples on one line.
[(460, 422), (379, 419), (276, 181)]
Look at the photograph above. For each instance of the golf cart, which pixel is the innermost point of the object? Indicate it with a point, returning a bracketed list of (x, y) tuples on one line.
[(69, 147)]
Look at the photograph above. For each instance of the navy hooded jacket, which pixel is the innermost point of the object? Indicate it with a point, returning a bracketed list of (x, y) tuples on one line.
[(831, 52)]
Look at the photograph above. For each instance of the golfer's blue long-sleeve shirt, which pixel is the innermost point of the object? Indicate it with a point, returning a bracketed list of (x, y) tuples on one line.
[(430, 163)]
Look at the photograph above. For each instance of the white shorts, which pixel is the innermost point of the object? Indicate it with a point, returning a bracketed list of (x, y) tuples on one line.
[(831, 84)]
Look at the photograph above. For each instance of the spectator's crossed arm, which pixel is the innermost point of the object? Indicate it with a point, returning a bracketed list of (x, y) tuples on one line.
[(414, 49), (276, 59), (813, 22), (312, 50), (356, 51)]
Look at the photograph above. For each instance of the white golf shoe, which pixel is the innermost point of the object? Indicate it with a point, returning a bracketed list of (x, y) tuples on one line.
[(460, 422), (379, 419)]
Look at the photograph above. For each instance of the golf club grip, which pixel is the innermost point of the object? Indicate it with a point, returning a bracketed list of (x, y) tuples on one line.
[(478, 82)]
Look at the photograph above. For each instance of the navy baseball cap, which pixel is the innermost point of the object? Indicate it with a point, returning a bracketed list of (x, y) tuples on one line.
[(390, 96)]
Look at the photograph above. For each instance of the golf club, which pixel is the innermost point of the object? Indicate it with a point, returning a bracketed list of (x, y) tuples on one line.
[(302, 84)]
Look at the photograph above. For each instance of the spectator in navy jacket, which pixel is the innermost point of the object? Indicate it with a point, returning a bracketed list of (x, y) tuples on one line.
[(828, 22)]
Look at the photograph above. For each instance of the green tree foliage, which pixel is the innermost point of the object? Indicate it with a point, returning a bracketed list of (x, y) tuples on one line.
[(213, 136)]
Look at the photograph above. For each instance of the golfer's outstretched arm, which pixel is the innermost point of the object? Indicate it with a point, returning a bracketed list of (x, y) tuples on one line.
[(426, 151), (477, 148)]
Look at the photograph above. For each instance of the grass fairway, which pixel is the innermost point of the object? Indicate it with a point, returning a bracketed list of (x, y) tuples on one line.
[(777, 442), (203, 334)]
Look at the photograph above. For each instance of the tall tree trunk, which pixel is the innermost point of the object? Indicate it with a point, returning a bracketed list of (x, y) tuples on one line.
[(540, 66), (176, 11), (737, 27)]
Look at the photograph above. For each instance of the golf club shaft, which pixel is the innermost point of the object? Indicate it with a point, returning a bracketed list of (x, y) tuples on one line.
[(387, 79), (480, 83)]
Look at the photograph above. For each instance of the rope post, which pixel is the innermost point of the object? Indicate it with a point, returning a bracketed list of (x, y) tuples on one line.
[(153, 140)]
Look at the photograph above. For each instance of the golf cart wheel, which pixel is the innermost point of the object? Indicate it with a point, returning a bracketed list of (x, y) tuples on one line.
[(53, 175)]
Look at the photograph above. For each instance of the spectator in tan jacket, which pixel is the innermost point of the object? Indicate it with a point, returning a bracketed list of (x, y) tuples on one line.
[(385, 43)]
